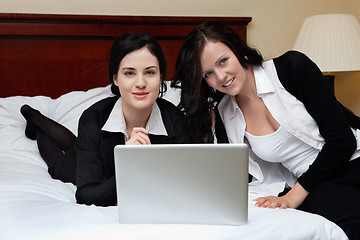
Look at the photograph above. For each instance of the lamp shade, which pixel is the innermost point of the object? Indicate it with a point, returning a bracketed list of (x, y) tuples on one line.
[(332, 41)]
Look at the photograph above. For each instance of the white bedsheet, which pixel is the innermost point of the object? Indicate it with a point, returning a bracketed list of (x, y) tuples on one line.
[(35, 206)]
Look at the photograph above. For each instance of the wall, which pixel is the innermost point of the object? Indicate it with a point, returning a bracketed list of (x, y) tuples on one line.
[(347, 84), (273, 29)]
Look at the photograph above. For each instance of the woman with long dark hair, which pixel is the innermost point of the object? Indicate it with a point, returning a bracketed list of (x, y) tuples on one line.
[(286, 112)]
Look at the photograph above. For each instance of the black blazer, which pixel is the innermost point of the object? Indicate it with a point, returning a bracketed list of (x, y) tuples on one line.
[(95, 174)]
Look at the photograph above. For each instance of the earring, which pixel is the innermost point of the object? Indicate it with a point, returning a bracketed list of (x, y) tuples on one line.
[(246, 58)]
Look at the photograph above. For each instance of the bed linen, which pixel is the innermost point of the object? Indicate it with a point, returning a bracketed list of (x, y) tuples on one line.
[(35, 206)]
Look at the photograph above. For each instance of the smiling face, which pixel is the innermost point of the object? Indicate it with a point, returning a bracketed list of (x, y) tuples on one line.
[(221, 69), (138, 80)]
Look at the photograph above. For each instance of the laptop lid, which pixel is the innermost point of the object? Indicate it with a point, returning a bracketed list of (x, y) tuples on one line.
[(182, 183)]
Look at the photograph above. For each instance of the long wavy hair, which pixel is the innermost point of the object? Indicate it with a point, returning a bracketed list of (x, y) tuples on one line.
[(196, 96)]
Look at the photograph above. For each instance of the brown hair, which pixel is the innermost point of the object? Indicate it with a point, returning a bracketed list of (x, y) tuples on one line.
[(196, 95)]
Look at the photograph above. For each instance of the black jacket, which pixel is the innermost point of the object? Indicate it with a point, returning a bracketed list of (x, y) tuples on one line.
[(95, 174)]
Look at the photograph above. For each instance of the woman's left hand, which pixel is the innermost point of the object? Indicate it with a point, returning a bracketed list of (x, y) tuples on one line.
[(292, 199)]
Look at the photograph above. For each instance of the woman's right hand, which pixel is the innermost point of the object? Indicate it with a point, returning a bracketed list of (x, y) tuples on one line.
[(139, 136), (292, 199)]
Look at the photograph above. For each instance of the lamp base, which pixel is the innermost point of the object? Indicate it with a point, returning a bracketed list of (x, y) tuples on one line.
[(330, 80)]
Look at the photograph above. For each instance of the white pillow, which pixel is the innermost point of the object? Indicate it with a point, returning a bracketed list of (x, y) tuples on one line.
[(66, 110), (12, 123)]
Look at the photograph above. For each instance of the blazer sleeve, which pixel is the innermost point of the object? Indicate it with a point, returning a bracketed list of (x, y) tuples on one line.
[(303, 79), (92, 185)]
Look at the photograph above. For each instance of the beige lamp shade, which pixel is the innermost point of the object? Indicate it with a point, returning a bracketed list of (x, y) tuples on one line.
[(332, 41)]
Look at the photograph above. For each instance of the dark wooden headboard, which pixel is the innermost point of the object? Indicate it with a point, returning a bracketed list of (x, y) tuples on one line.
[(54, 54)]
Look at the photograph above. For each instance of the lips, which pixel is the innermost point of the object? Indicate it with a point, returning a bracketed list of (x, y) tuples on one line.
[(140, 95), (228, 83)]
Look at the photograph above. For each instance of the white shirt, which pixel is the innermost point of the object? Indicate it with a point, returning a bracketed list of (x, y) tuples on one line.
[(286, 149), (288, 111), (116, 121)]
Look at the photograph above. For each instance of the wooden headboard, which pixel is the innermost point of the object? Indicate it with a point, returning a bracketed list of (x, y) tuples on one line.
[(54, 54)]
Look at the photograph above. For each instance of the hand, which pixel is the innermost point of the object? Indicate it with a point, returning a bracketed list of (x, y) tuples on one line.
[(139, 136), (274, 202), (292, 199)]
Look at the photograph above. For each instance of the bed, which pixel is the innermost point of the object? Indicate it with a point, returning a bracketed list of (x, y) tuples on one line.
[(57, 64)]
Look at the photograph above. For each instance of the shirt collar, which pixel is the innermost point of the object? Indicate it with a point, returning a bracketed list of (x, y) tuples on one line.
[(116, 121), (228, 106), (263, 82)]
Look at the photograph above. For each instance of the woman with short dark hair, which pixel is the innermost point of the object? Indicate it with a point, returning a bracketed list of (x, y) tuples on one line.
[(136, 115)]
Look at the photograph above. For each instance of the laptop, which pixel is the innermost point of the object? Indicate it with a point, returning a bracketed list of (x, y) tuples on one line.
[(182, 183)]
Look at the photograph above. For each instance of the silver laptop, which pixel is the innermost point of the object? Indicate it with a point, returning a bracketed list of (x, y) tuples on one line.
[(182, 183)]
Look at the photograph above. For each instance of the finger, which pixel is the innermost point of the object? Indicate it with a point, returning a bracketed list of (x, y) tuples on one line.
[(138, 139), (266, 204), (283, 206), (135, 140), (139, 130), (274, 205), (259, 201), (143, 138), (132, 141)]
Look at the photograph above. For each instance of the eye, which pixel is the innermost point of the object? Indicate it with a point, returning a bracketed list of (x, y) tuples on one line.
[(129, 73), (207, 74), (223, 61), (150, 72)]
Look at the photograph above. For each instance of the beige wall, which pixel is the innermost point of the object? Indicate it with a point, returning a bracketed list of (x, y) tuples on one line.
[(273, 29), (347, 84)]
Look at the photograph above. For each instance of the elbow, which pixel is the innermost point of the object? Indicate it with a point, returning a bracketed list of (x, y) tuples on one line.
[(95, 198), (81, 198), (349, 144)]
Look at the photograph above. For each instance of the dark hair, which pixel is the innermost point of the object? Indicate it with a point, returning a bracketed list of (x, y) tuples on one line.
[(130, 42), (196, 95)]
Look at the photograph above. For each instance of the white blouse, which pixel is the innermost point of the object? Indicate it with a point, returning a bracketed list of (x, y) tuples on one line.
[(286, 149), (288, 111)]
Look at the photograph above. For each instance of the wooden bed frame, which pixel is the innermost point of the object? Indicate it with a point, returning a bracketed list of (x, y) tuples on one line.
[(54, 54)]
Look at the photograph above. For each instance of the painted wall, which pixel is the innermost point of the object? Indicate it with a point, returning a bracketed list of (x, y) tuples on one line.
[(347, 84), (273, 29)]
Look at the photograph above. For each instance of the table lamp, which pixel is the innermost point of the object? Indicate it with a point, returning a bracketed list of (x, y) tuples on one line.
[(332, 41)]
